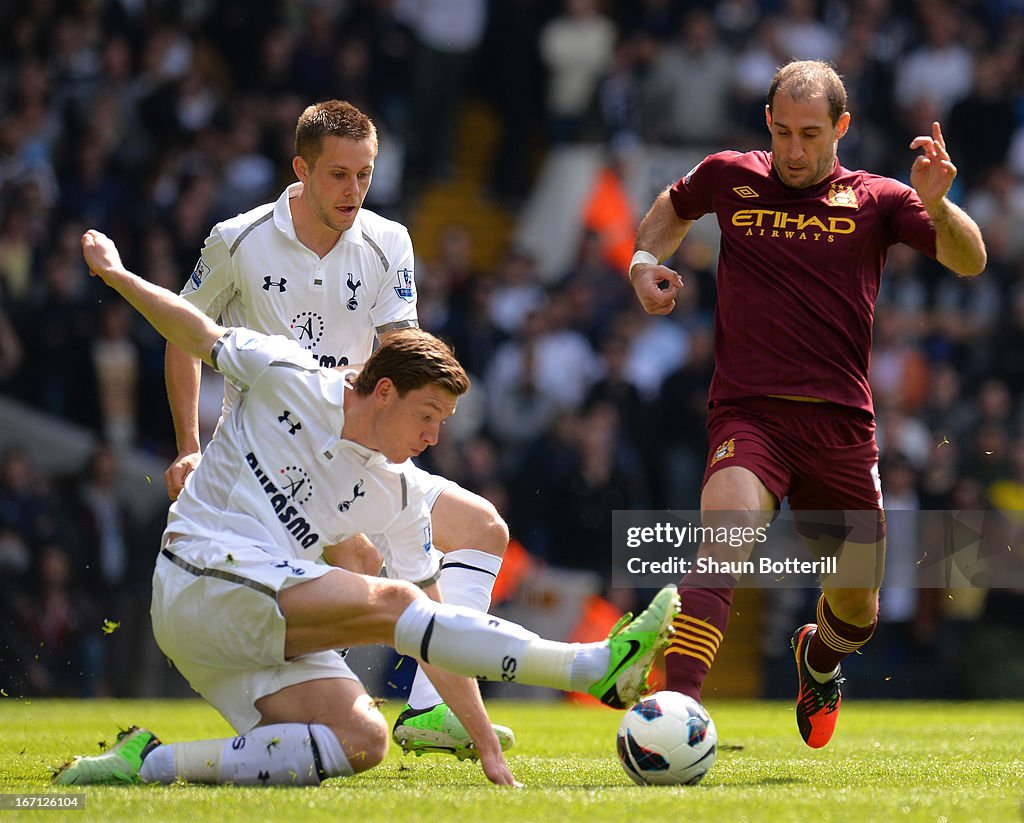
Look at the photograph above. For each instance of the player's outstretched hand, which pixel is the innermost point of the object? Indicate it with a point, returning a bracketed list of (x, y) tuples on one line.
[(174, 478), (656, 287), (933, 172), (100, 253), (496, 768)]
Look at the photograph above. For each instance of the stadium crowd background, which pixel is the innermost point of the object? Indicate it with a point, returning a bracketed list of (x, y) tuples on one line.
[(151, 121)]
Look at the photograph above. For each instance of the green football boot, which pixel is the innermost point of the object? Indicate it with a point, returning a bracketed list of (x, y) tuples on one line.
[(438, 731), (633, 643), (118, 764)]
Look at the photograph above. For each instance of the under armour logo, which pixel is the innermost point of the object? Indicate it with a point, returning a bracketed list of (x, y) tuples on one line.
[(286, 418), (357, 492), (279, 285), (263, 777), (353, 304), (284, 564)]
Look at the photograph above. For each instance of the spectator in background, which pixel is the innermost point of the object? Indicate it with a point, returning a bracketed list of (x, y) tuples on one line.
[(64, 620), (981, 124), (946, 412), (606, 289), (999, 201), (645, 334), (115, 362), (963, 313), (801, 35), (561, 360), (603, 475), (898, 371), (311, 73), (11, 351), (680, 450), (103, 526), (448, 34), (58, 372), (687, 91), (933, 77), (16, 257), (514, 85), (576, 49), (754, 66), (109, 564), (1007, 349), (516, 292), (903, 552)]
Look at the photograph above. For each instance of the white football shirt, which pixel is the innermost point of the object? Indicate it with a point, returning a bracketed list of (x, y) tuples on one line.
[(253, 272), (278, 475)]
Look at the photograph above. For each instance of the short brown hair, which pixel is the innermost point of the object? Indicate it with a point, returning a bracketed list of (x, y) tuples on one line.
[(803, 79), (331, 118), (412, 359)]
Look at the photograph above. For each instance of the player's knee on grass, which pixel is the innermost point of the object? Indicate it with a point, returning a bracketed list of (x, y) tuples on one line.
[(364, 742)]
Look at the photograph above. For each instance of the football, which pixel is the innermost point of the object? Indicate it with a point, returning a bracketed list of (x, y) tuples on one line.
[(667, 739)]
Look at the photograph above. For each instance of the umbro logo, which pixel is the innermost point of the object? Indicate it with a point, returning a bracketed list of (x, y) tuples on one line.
[(269, 282), (745, 191)]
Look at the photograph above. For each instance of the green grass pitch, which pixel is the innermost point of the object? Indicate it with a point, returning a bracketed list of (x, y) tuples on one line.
[(889, 761)]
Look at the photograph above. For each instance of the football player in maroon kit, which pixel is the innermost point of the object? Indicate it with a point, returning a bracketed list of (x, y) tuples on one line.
[(804, 242)]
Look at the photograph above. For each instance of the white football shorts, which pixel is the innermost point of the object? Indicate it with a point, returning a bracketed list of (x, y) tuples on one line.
[(215, 615)]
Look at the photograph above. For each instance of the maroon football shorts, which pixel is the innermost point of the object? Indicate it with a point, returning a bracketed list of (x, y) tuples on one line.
[(822, 456)]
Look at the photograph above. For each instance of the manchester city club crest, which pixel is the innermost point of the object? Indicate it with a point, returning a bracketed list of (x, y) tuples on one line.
[(726, 449), (843, 196), (406, 288)]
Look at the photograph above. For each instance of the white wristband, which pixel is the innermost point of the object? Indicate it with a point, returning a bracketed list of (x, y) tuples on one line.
[(642, 256)]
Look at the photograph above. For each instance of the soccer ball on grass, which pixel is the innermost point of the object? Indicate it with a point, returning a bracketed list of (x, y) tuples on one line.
[(667, 739)]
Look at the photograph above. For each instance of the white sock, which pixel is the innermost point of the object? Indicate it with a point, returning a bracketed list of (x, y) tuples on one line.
[(284, 754), (467, 579), (478, 645)]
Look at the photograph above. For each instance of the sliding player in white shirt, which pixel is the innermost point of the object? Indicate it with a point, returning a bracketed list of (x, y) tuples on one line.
[(307, 456), (318, 267)]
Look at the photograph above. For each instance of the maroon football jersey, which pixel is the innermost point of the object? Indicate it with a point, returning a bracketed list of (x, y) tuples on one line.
[(798, 273)]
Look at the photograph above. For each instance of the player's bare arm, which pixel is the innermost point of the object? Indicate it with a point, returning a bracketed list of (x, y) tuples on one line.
[(462, 694), (660, 233), (958, 242), (176, 320), (182, 373), (355, 554)]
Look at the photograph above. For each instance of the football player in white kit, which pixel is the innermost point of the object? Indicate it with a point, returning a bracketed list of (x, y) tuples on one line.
[(248, 611), (318, 267)]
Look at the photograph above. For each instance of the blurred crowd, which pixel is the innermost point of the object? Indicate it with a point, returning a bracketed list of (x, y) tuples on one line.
[(151, 121)]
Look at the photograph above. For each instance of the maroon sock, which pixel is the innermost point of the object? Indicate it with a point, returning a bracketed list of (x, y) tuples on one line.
[(835, 639), (700, 627)]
